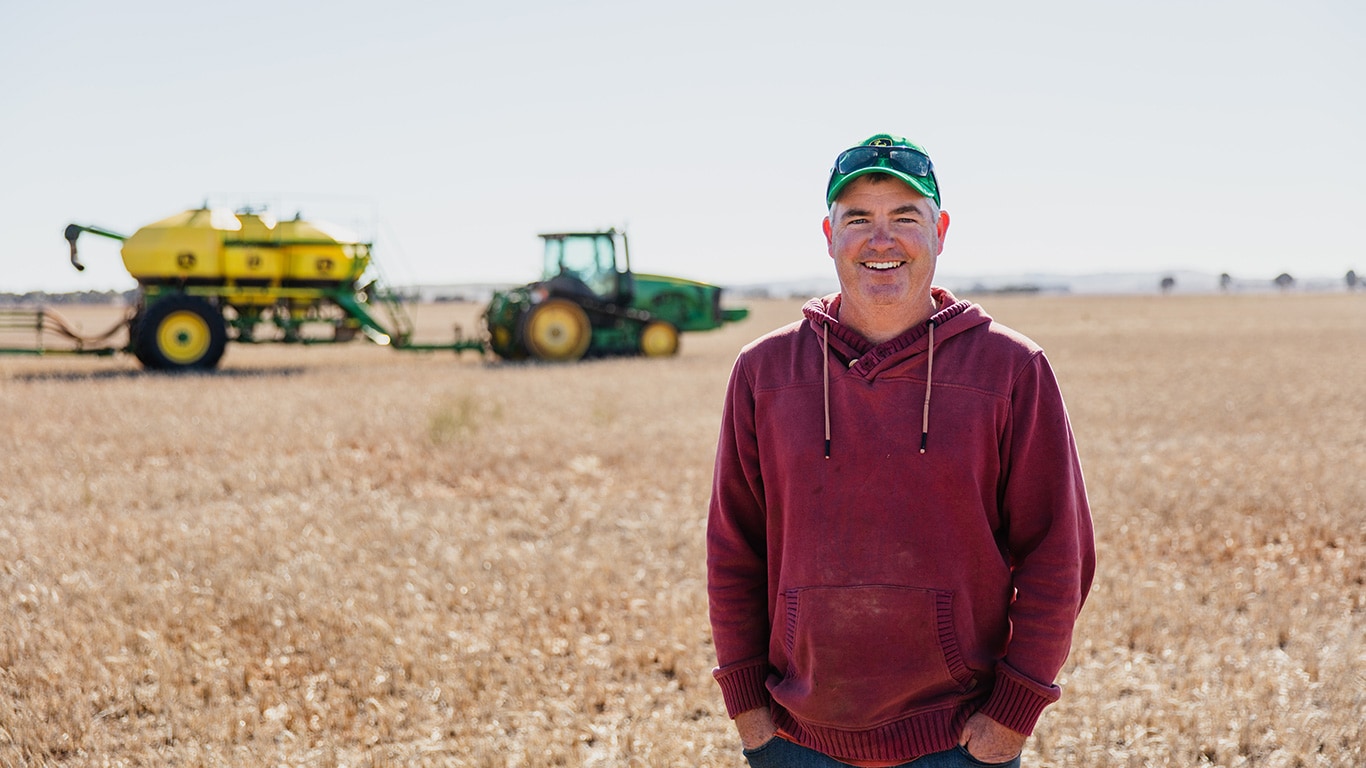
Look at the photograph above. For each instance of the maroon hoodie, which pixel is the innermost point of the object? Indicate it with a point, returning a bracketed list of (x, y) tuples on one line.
[(898, 534)]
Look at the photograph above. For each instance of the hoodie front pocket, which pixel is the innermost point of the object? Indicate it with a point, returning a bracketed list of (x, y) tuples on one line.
[(861, 656)]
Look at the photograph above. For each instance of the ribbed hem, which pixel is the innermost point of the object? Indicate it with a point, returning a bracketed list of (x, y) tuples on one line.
[(743, 687), (1016, 701), (903, 740)]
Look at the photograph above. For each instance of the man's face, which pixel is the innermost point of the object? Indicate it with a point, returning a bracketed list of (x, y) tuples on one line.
[(885, 239)]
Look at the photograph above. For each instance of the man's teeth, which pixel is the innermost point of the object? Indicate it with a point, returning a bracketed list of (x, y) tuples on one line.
[(883, 264)]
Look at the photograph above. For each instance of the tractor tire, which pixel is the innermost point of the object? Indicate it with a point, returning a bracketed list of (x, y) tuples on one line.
[(659, 339), (557, 330), (505, 344), (180, 333)]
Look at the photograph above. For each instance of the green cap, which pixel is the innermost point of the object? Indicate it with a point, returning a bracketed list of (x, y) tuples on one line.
[(913, 167)]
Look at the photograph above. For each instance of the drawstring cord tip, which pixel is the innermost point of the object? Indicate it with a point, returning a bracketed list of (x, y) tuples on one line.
[(924, 438), (827, 449)]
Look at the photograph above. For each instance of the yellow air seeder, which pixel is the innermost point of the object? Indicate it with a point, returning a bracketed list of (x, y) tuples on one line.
[(208, 276)]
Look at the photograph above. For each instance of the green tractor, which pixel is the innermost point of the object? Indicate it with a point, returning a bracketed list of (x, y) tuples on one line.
[(588, 302)]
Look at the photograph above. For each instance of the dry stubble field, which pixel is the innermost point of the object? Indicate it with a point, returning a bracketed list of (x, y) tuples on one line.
[(352, 556)]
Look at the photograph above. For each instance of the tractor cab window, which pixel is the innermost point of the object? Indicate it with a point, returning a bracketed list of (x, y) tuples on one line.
[(587, 258)]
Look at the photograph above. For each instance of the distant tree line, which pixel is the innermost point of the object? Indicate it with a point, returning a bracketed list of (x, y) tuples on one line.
[(74, 297), (1284, 281)]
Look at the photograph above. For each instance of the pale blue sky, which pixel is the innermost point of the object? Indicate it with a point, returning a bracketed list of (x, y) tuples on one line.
[(1069, 136)]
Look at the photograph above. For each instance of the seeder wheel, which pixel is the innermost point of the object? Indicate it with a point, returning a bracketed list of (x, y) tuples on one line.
[(180, 333)]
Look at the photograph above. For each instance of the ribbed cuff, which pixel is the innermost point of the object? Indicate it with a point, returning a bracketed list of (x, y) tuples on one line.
[(743, 687), (1017, 701)]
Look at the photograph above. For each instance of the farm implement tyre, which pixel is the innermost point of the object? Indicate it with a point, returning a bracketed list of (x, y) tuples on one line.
[(659, 339), (181, 333), (504, 345), (557, 330)]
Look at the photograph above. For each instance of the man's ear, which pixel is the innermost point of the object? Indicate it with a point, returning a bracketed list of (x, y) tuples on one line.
[(829, 239), (942, 226)]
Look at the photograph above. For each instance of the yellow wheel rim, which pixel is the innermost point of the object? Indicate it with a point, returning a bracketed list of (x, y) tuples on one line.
[(184, 337), (659, 339), (558, 330)]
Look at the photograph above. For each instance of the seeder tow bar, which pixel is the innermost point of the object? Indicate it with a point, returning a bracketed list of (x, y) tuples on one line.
[(45, 324)]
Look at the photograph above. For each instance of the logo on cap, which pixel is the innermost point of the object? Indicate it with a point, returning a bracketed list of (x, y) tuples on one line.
[(880, 143)]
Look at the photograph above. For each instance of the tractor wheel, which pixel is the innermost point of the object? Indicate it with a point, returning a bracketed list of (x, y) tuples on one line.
[(659, 339), (558, 330), (504, 345), (181, 333)]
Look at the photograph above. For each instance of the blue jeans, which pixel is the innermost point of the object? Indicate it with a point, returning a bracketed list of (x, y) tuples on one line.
[(781, 753)]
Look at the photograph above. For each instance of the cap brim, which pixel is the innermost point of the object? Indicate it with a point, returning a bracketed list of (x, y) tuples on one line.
[(918, 183)]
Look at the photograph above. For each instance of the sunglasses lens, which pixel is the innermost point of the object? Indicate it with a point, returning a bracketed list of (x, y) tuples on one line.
[(910, 162), (853, 159)]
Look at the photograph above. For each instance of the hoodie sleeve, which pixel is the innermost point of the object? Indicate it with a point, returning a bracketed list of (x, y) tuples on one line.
[(737, 568), (1052, 548)]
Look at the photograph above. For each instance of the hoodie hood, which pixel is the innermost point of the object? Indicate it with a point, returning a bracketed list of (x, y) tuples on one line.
[(847, 347)]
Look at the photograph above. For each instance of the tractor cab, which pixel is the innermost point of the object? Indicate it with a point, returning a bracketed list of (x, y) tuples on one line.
[(586, 265)]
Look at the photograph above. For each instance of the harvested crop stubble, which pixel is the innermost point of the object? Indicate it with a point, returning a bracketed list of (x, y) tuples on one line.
[(352, 556)]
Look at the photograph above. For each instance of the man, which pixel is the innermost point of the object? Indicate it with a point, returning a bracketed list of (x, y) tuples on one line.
[(899, 541)]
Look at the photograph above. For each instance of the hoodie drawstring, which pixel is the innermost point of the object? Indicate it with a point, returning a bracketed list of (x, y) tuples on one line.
[(929, 380), (825, 387), (825, 381)]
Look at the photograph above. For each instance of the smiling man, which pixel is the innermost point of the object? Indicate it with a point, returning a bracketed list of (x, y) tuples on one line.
[(899, 541)]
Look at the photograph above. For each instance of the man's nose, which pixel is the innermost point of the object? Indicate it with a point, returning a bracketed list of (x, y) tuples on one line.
[(881, 237)]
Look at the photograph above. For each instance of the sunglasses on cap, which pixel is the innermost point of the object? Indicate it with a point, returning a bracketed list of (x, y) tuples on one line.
[(912, 165), (903, 159)]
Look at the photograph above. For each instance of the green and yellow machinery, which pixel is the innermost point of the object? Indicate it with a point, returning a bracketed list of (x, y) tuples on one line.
[(209, 276), (588, 302)]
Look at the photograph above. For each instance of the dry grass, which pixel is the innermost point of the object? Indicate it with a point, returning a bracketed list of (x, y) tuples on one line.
[(352, 556)]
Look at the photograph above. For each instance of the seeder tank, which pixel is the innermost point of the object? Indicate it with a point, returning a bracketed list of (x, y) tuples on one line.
[(216, 247)]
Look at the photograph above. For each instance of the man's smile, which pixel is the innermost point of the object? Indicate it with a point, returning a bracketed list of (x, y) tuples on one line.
[(882, 265)]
